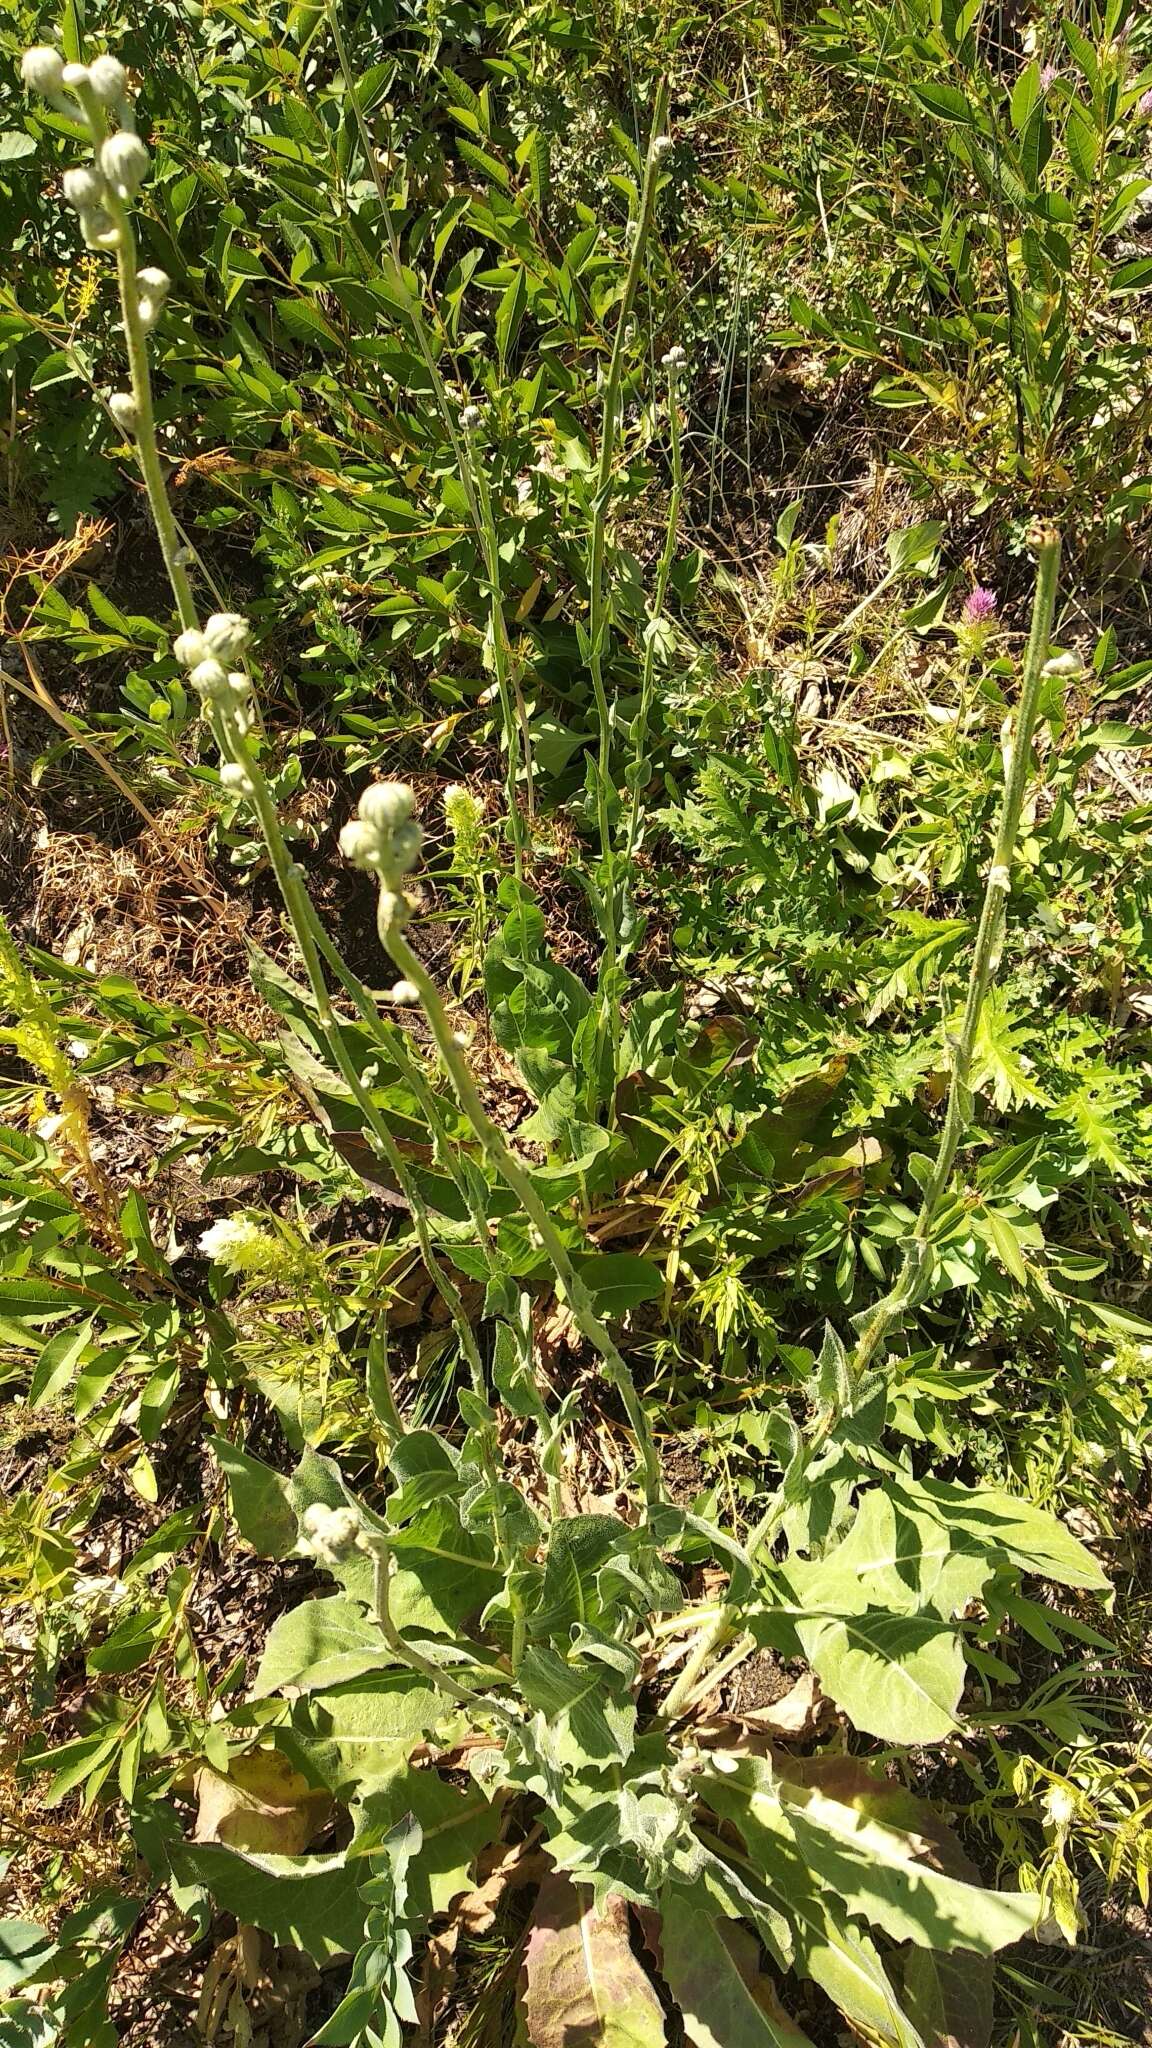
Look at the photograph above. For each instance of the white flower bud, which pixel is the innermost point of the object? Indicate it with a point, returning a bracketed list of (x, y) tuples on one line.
[(209, 679), (360, 844), (42, 70), (661, 144), (124, 162), (1064, 665), (404, 992), (76, 75), (189, 648), (109, 80), (387, 805), (237, 779), (123, 409), (99, 229), (331, 1535), (674, 358), (84, 188), (404, 850), (227, 634), (151, 292), (239, 683), (470, 418)]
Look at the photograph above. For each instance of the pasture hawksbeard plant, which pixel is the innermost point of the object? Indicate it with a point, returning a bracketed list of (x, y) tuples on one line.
[(534, 1234)]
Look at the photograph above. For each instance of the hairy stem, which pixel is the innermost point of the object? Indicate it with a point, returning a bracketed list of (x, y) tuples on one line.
[(656, 614)]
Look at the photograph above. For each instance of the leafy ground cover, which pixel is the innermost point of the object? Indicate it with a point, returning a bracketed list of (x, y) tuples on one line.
[(576, 974)]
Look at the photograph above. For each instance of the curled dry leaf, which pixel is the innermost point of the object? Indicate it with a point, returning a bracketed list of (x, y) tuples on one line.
[(798, 1714), (261, 1805), (473, 1913)]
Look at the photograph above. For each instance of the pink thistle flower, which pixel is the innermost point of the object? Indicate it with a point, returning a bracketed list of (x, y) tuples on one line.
[(1144, 104), (980, 606)]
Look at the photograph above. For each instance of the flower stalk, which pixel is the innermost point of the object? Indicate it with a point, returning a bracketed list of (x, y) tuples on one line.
[(599, 610), (915, 1270), (916, 1266)]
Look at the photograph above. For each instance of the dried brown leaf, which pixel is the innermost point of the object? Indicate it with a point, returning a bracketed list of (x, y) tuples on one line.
[(262, 1804), (797, 1715)]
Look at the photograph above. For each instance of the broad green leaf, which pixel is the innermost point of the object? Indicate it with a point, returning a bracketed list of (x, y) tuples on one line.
[(1002, 1523), (877, 1873), (454, 1827), (595, 1719), (947, 102), (261, 1500), (581, 1982), (1025, 94), (445, 1574), (949, 1997), (896, 1556), (354, 1737), (836, 1955), (618, 1281), (23, 1948), (915, 547), (37, 1301), (58, 1363), (725, 1999), (308, 1902), (896, 1676), (319, 1644), (1133, 276), (1083, 142)]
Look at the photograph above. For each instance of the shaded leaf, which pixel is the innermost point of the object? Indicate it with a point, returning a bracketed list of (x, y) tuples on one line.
[(261, 1500), (581, 1986), (308, 1902), (713, 1971)]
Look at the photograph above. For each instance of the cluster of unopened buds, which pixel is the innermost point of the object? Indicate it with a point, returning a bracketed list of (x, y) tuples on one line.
[(97, 96), (385, 840), (333, 1535), (94, 94), (207, 652)]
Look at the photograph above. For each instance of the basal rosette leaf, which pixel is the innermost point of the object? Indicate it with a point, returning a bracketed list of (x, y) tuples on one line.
[(581, 1982)]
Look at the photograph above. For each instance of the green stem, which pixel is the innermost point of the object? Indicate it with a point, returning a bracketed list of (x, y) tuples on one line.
[(916, 1264), (655, 615), (517, 737), (505, 1163), (234, 746), (598, 605), (415, 1659), (917, 1259), (135, 336)]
